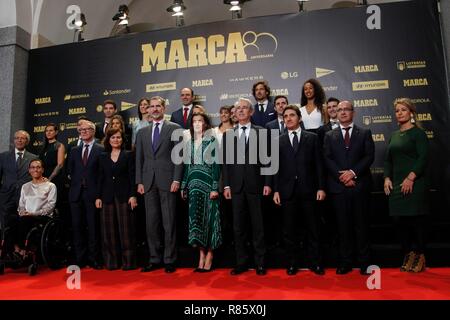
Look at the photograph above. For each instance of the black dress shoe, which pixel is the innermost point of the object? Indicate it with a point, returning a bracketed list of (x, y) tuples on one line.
[(292, 271), (363, 270), (238, 270), (343, 270), (319, 270), (151, 267), (261, 271), (170, 268)]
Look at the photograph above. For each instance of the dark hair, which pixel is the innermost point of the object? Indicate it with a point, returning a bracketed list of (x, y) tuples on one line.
[(37, 160), (279, 97), (139, 106), (110, 102), (51, 124), (192, 91), (319, 94), (109, 133), (266, 87), (228, 109), (333, 99), (118, 117), (82, 118), (205, 118), (295, 108)]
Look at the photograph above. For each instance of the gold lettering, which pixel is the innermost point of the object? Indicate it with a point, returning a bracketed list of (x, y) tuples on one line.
[(197, 52), (176, 54), (214, 42), (235, 49), (151, 57)]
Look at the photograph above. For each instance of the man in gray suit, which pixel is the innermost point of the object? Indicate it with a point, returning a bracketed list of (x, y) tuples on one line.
[(13, 174), (158, 178)]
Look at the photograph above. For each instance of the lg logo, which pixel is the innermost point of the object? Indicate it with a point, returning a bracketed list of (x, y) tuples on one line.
[(287, 75)]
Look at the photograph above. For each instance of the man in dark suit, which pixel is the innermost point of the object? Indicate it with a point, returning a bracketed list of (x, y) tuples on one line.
[(298, 184), (333, 122), (183, 115), (78, 141), (109, 110), (13, 174), (264, 110), (348, 152), (158, 179), (82, 168), (245, 186), (280, 102)]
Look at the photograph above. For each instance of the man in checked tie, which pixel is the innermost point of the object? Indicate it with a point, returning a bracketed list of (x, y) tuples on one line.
[(348, 152), (183, 115), (13, 174), (158, 179)]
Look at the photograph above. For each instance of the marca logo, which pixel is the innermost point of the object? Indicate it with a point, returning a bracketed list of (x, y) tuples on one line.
[(417, 82), (126, 105), (365, 103), (76, 96), (402, 65), (80, 110), (424, 117), (202, 83), (286, 75), (43, 100), (119, 91), (204, 51), (279, 92), (366, 68), (321, 72), (378, 137), (370, 85), (38, 129)]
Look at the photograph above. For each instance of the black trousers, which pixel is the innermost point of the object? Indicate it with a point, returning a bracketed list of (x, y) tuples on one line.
[(247, 209), (85, 228), (352, 218), (300, 212)]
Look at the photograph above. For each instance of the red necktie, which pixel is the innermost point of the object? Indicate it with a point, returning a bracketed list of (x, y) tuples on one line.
[(347, 137), (185, 115), (85, 154)]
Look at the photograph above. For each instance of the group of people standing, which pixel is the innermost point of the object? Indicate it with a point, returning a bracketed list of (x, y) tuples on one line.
[(322, 156)]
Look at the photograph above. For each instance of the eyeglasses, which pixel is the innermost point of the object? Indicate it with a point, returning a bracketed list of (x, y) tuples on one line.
[(84, 129), (345, 110)]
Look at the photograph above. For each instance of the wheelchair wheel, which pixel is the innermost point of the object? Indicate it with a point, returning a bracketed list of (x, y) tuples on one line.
[(53, 244)]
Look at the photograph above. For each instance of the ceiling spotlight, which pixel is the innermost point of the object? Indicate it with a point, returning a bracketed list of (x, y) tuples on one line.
[(177, 9), (79, 22), (236, 7), (301, 5), (122, 14), (362, 2)]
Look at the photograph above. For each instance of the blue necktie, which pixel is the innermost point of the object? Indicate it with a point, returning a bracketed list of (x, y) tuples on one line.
[(155, 137)]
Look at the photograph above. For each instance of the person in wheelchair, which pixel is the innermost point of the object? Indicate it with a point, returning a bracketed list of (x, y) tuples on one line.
[(36, 205)]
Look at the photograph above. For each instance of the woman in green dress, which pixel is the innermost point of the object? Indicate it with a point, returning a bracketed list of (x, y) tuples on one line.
[(406, 185), (201, 187)]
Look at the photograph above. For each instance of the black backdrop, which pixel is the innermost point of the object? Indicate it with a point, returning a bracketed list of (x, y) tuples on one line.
[(221, 61)]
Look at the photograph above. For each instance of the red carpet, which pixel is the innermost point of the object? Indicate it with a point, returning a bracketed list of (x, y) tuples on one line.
[(186, 285)]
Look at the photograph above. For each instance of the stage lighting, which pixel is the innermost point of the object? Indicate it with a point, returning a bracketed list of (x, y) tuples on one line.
[(79, 22), (177, 9), (236, 7), (122, 14), (362, 2), (301, 5)]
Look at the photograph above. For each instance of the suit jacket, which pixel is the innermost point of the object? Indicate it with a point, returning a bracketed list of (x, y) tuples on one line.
[(157, 169), (302, 168), (79, 173), (273, 125), (116, 179), (177, 117), (358, 157), (322, 131), (261, 118), (245, 175), (11, 177), (99, 134)]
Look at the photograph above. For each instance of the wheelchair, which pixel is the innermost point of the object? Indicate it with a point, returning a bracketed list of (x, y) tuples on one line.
[(46, 243)]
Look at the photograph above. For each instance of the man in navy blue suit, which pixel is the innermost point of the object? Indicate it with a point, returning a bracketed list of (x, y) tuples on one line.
[(83, 168), (183, 115), (349, 152), (264, 108), (280, 102)]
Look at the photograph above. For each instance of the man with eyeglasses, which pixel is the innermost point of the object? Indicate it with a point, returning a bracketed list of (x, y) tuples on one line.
[(83, 170), (13, 174), (349, 152)]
